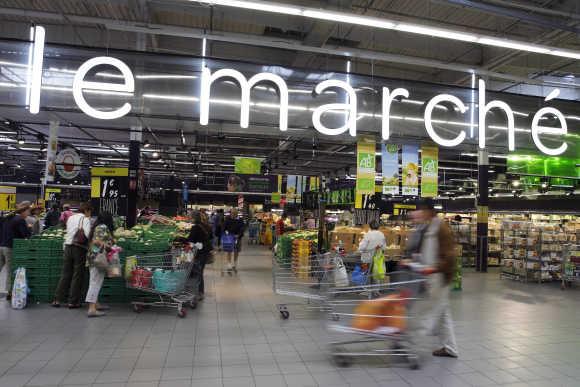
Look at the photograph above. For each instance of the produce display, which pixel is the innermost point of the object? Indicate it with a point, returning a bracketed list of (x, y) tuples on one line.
[(42, 257), (284, 243)]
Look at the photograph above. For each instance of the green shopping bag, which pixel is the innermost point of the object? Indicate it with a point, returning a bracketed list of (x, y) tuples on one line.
[(378, 272)]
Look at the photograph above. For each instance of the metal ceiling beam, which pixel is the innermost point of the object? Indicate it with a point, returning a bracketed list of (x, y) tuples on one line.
[(286, 44), (526, 17)]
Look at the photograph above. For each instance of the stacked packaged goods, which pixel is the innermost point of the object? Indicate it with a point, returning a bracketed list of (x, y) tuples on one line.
[(301, 252)]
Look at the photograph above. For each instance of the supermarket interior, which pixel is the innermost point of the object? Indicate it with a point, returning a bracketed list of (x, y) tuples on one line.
[(293, 193)]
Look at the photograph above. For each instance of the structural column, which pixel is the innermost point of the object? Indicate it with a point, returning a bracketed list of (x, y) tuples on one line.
[(321, 214), (482, 206), (134, 161)]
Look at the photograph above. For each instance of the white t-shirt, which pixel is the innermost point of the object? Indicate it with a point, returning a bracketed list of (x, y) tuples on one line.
[(371, 240), (75, 222)]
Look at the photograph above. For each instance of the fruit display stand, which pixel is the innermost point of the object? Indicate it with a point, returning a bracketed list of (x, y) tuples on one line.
[(284, 244)]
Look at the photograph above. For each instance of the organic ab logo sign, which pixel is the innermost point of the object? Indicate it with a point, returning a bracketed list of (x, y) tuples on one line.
[(366, 161), (430, 166)]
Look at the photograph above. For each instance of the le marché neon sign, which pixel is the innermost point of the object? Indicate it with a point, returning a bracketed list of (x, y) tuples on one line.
[(349, 107)]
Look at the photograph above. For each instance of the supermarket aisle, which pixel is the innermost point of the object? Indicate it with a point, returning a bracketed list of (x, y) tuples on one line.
[(509, 334)]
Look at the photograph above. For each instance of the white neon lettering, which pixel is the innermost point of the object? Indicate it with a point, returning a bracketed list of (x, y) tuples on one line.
[(429, 124), (36, 73), (387, 101), (208, 78), (79, 84), (484, 108), (350, 108), (537, 128)]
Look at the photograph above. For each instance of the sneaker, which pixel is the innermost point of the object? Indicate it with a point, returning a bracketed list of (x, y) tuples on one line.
[(96, 314), (443, 352)]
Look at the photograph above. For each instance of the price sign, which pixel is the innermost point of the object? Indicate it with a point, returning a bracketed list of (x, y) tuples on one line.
[(7, 198), (109, 188), (52, 196)]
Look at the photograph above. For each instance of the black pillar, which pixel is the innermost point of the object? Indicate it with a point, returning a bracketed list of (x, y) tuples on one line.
[(321, 214), (132, 197), (482, 206)]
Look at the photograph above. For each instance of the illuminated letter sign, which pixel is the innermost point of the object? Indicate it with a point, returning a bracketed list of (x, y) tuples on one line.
[(387, 100), (350, 109), (35, 80), (536, 129), (429, 124), (246, 85), (483, 109), (79, 84)]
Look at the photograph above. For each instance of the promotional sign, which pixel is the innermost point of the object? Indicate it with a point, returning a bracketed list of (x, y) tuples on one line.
[(68, 163), (276, 197), (314, 183), (410, 160), (7, 198), (291, 186), (52, 196), (251, 183), (537, 164), (365, 166), (403, 209), (390, 168), (429, 170), (248, 165), (109, 188), (51, 148), (185, 192)]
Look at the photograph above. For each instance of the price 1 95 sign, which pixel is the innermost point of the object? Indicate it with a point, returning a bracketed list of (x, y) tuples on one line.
[(109, 188)]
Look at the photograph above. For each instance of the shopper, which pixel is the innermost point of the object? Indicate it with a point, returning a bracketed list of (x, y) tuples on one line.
[(217, 227), (200, 233), (235, 227), (281, 225), (13, 227), (101, 241), (371, 242), (33, 220), (78, 231), (66, 213), (433, 245), (52, 217)]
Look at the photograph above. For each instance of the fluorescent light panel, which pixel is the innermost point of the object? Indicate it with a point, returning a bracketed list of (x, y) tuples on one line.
[(368, 21)]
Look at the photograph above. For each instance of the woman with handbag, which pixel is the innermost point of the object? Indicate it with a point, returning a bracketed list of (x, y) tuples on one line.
[(101, 242), (78, 229), (200, 233)]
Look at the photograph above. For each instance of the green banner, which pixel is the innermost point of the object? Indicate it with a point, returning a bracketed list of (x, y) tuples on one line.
[(365, 171), (276, 197), (248, 165), (536, 164), (429, 170)]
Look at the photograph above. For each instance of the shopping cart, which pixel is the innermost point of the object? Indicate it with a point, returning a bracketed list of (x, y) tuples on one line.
[(307, 279), (570, 265), (162, 280), (376, 322), (254, 232)]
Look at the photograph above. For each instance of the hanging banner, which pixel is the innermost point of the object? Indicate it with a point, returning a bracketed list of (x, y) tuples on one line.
[(276, 197), (248, 165), (314, 182), (251, 183), (279, 184), (429, 170), (291, 185), (365, 170), (51, 148), (68, 163), (7, 198), (109, 187), (390, 168), (410, 161), (185, 192)]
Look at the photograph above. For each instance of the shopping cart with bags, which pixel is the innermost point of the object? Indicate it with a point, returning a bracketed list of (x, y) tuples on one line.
[(306, 281), (161, 280), (376, 322)]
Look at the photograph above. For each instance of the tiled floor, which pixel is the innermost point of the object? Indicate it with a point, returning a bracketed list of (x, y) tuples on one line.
[(509, 334)]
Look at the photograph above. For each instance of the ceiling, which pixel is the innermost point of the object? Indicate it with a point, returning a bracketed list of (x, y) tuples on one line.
[(167, 27)]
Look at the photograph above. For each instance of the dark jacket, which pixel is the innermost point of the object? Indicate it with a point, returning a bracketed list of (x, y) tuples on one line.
[(234, 226), (14, 227), (51, 219), (201, 234)]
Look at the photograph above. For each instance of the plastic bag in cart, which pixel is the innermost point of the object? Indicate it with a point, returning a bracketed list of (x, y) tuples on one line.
[(340, 274)]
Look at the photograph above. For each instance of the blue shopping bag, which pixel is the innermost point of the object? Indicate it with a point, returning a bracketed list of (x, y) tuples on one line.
[(359, 277), (228, 243)]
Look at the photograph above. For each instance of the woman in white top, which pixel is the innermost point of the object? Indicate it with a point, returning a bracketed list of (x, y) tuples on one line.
[(371, 241)]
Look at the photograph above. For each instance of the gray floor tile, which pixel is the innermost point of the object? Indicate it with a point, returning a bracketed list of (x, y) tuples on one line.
[(16, 380), (300, 380), (238, 382), (270, 381), (80, 378), (177, 383), (211, 372), (46, 379), (145, 375), (177, 373)]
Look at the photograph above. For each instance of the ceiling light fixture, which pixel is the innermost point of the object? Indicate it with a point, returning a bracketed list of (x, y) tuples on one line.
[(155, 154), (516, 183), (146, 144), (383, 23)]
